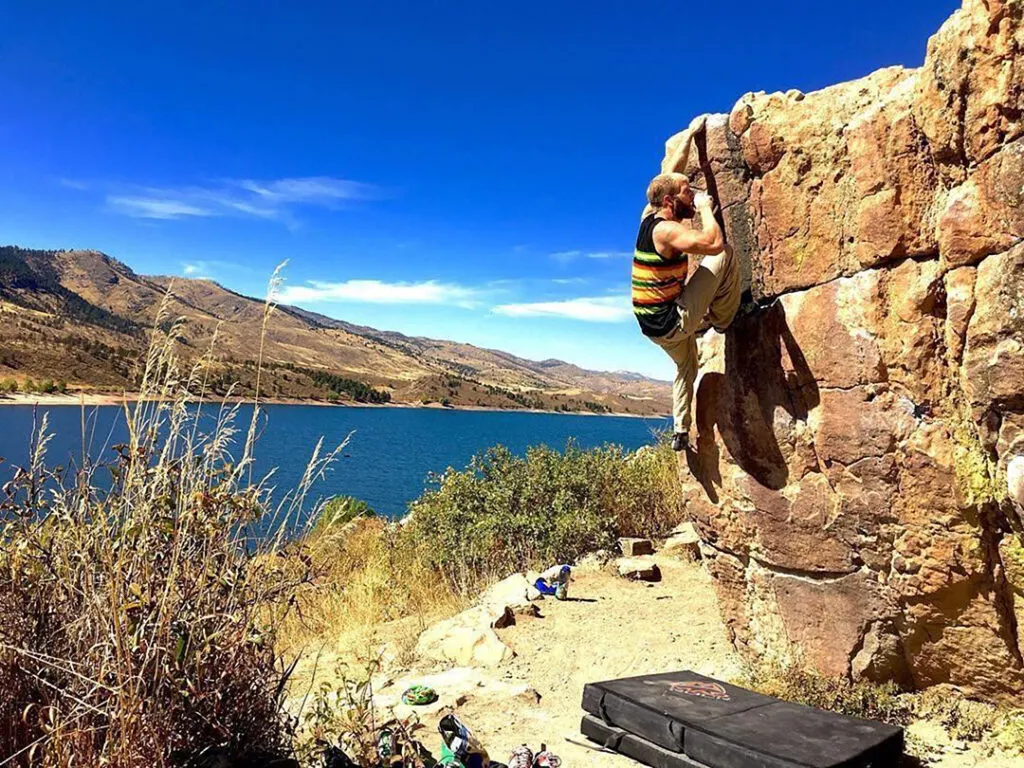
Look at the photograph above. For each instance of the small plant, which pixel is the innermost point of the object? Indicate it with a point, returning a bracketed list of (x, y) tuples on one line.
[(343, 723), (884, 702), (964, 719)]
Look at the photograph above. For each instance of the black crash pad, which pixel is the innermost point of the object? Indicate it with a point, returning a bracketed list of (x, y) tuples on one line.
[(632, 746), (722, 725)]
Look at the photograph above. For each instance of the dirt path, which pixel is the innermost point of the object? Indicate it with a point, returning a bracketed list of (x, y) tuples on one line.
[(595, 636), (610, 628)]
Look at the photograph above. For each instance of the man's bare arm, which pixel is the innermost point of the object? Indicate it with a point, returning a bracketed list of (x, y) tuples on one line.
[(707, 241), (677, 153)]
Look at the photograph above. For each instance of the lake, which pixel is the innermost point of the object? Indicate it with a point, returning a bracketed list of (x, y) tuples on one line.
[(386, 461)]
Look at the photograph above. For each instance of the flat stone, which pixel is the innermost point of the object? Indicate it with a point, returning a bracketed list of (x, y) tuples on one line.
[(638, 569), (462, 644), (683, 543), (516, 593), (636, 547)]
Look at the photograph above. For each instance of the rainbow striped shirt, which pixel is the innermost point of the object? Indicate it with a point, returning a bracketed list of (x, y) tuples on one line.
[(657, 283)]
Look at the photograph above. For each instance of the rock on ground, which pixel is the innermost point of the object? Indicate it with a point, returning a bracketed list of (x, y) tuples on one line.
[(858, 430), (636, 547), (683, 543), (638, 569)]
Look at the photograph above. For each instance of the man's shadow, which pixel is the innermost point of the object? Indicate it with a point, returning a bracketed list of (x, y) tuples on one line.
[(764, 370)]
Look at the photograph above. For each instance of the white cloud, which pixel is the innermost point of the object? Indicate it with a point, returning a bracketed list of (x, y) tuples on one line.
[(313, 189), (567, 256), (276, 199), (154, 208), (381, 292), (601, 309)]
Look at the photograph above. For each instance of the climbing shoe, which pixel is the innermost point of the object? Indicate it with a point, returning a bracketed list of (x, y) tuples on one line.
[(680, 440)]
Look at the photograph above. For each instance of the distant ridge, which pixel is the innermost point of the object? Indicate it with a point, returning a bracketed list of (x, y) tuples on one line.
[(82, 316)]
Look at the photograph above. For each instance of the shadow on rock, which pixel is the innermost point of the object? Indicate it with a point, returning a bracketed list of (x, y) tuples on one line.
[(764, 371)]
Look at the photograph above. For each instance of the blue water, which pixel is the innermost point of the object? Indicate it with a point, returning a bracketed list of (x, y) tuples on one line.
[(385, 463)]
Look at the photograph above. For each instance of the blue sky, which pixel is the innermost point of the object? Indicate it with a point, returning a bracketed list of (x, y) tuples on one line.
[(471, 171)]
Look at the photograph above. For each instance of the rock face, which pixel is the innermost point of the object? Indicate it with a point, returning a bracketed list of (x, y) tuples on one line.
[(850, 483)]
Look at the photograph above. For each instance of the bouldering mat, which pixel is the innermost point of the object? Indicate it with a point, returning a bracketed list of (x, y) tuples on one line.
[(632, 746), (718, 724)]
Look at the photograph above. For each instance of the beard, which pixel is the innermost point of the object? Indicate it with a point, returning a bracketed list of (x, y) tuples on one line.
[(681, 210)]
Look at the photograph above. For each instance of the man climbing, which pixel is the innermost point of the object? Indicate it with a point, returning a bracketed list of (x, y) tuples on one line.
[(669, 307)]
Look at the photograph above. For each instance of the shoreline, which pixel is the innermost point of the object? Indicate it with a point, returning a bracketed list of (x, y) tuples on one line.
[(93, 399)]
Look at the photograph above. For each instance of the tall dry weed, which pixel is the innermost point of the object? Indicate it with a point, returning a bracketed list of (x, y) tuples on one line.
[(139, 616)]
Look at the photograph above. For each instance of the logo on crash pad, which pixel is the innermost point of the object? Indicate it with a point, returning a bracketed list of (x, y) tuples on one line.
[(700, 690)]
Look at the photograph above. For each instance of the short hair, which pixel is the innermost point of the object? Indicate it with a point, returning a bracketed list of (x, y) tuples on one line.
[(665, 185)]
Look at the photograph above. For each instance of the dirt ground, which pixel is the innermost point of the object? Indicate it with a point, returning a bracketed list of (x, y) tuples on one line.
[(610, 628)]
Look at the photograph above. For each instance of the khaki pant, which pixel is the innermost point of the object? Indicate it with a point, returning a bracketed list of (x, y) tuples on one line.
[(713, 292)]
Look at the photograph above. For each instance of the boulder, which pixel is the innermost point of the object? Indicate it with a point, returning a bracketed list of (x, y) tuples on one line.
[(683, 543), (638, 569), (857, 468), (636, 547), (514, 596), (465, 641)]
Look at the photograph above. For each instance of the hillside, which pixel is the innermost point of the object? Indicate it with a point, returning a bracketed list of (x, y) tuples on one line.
[(83, 318)]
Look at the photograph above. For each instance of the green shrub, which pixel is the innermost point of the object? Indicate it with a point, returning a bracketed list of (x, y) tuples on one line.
[(339, 511), (506, 513)]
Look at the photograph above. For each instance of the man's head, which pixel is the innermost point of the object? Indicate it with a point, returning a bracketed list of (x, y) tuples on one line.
[(671, 193)]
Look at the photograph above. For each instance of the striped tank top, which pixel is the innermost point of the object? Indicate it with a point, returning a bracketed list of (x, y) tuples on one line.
[(657, 282)]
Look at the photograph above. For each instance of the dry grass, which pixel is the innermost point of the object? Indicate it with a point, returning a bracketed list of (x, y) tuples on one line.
[(964, 720), (139, 619), (366, 574)]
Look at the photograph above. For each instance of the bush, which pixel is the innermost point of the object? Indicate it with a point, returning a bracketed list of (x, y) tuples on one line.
[(339, 511), (506, 513)]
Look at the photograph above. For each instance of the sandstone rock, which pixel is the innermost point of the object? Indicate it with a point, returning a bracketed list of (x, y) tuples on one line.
[(636, 547), (855, 428), (971, 98), (464, 642), (638, 569), (683, 543), (515, 594)]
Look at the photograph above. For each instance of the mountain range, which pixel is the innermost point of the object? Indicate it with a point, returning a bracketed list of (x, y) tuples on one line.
[(83, 318)]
